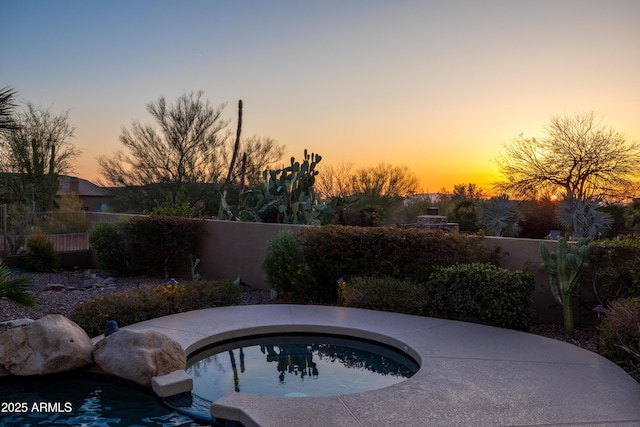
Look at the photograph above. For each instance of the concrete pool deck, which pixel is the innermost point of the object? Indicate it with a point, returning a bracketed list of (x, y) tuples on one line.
[(470, 375)]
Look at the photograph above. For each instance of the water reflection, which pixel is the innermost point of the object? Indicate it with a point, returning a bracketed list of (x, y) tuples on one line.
[(303, 366), (291, 358)]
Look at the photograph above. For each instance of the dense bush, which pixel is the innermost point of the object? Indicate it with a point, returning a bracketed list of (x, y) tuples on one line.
[(621, 328), (160, 245), (151, 245), (335, 251), (109, 241), (615, 268), (482, 293), (286, 269), (41, 256), (140, 304), (384, 294)]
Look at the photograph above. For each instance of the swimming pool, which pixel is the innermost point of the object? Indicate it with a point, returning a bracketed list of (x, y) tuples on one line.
[(63, 401), (297, 365)]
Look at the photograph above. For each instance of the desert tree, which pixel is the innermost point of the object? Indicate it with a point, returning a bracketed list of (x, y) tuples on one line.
[(34, 153), (258, 154), (173, 159), (334, 181), (384, 181), (462, 205), (575, 154), (382, 189)]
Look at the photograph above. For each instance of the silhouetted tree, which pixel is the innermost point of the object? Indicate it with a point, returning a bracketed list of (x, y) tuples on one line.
[(182, 160), (33, 153), (575, 154), (464, 204)]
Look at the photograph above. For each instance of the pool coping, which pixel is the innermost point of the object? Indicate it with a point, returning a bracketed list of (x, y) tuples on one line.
[(470, 374)]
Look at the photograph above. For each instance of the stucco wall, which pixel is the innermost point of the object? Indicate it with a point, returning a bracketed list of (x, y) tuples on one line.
[(523, 254), (231, 249)]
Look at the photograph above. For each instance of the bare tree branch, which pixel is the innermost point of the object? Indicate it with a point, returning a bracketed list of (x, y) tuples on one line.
[(576, 154)]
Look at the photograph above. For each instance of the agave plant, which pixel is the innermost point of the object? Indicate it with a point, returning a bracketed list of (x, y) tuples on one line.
[(16, 290), (582, 217), (500, 217)]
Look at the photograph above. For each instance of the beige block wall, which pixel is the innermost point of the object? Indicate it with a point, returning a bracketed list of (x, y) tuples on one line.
[(231, 249), (521, 254)]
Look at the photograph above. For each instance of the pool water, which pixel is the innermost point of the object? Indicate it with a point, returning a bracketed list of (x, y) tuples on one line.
[(297, 366), (82, 402)]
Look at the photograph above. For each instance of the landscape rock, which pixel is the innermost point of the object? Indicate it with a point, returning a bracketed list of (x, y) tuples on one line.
[(139, 355), (48, 345), (54, 287), (15, 323)]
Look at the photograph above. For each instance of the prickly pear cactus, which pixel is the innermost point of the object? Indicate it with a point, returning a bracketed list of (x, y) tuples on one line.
[(288, 196)]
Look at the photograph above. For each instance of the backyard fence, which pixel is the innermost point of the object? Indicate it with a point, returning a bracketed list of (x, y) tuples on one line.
[(68, 231)]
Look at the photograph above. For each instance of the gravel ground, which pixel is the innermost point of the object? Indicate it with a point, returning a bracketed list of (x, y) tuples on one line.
[(77, 290)]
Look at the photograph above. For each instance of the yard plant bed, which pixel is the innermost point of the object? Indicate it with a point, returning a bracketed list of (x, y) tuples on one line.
[(76, 290)]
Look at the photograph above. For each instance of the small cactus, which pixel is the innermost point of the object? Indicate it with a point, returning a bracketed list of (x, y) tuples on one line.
[(565, 268)]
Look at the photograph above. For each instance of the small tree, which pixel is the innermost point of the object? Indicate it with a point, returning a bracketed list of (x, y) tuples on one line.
[(182, 149), (34, 153)]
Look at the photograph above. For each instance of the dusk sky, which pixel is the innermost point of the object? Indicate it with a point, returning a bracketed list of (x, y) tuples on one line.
[(438, 86)]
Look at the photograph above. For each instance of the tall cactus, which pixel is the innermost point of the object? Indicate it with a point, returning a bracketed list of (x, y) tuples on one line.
[(565, 268)]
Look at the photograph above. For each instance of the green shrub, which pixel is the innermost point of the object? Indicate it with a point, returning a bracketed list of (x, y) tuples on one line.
[(615, 269), (140, 304), (287, 270), (620, 328), (408, 254), (384, 294), (160, 245), (41, 256), (109, 241), (482, 293)]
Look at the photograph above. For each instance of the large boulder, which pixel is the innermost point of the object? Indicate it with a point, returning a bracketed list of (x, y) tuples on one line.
[(139, 355), (46, 346)]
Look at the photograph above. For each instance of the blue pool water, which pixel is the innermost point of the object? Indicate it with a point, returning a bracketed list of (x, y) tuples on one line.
[(45, 402)]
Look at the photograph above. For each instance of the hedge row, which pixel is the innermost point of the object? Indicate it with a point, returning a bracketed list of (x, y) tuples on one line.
[(149, 302), (322, 255), (479, 293)]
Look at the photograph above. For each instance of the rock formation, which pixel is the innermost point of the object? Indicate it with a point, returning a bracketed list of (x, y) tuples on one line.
[(49, 345), (139, 355)]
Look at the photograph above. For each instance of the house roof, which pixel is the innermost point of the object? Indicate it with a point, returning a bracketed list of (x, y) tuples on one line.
[(85, 188)]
